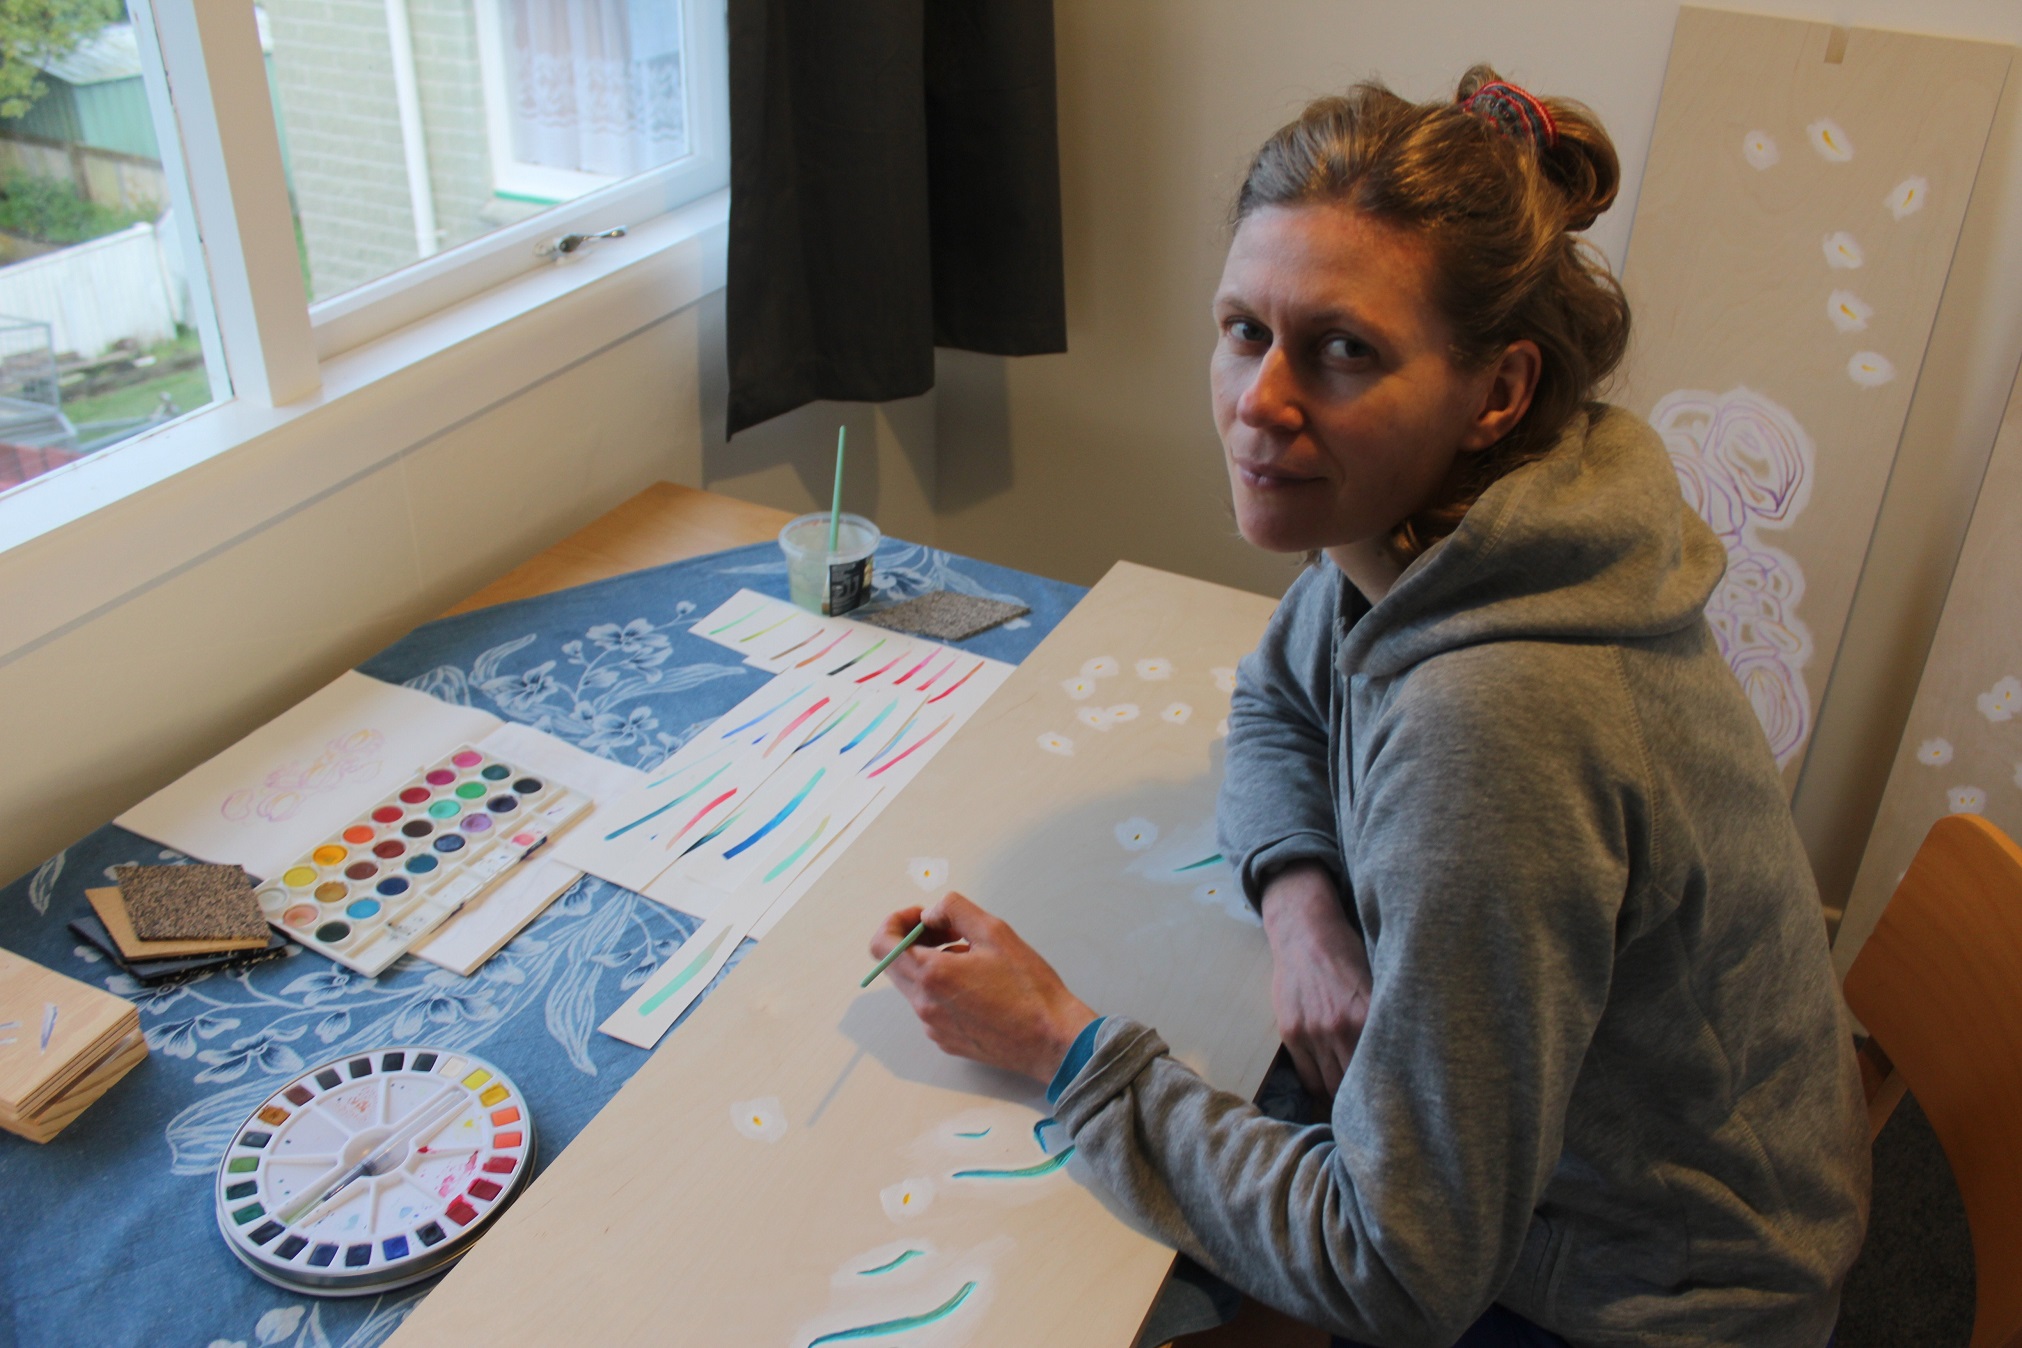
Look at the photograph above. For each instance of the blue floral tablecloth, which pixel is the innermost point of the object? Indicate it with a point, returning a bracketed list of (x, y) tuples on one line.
[(107, 1234)]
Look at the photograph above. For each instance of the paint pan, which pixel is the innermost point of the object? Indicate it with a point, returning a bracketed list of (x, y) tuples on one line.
[(394, 874), (374, 1170)]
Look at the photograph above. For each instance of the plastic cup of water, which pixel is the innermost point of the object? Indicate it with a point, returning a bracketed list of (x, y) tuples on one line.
[(820, 581)]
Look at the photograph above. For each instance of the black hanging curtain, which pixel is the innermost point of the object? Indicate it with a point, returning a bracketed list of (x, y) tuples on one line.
[(895, 185)]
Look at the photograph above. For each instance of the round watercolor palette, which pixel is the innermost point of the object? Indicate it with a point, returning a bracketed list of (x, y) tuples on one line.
[(373, 1170), (387, 878)]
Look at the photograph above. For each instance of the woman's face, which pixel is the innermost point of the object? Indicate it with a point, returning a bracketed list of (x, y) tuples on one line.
[(1339, 407)]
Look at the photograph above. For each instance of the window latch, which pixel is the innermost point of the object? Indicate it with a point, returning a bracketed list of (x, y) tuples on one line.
[(568, 245)]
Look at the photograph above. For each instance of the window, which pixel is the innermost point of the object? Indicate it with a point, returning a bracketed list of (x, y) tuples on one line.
[(355, 165), (103, 302)]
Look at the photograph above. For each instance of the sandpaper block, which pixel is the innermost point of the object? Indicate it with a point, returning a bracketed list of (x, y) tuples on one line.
[(945, 615), (190, 903), (110, 905)]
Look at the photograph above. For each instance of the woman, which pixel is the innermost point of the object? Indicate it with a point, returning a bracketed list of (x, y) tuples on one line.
[(1541, 926)]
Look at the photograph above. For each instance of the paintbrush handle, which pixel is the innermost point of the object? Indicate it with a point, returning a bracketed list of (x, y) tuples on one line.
[(324, 1193), (901, 948)]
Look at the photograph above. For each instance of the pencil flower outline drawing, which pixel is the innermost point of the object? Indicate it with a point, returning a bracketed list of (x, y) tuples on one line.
[(1746, 465), (283, 791)]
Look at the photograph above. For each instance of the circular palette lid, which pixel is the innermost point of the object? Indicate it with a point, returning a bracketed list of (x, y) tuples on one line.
[(373, 1170)]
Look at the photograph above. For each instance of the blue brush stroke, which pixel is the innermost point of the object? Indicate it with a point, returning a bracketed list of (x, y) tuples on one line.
[(880, 720), (1045, 1167), (762, 715), (899, 1326), (779, 818), (834, 721), (627, 828), (887, 1268)]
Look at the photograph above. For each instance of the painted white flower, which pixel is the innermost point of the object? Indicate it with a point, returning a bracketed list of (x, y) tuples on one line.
[(1225, 678), (1830, 139), (908, 1198), (1222, 728), (1907, 196), (1134, 835), (1848, 311), (1155, 668), (1870, 369), (1966, 800), (762, 1120), (2003, 700), (1122, 711), (1934, 753), (928, 872), (1078, 687), (1227, 895), (1054, 743), (1095, 718), (1759, 149), (1843, 251), (1101, 667), (1176, 714)]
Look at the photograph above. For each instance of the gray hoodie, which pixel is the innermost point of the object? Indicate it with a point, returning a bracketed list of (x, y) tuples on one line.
[(1606, 1078)]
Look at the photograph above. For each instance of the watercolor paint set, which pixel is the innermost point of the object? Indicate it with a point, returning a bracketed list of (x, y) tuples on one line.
[(373, 1170), (391, 876)]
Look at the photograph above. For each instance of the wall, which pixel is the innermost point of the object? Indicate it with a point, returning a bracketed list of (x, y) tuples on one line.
[(1064, 463)]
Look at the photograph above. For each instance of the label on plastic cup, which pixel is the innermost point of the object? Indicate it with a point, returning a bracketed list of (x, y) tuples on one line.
[(849, 584)]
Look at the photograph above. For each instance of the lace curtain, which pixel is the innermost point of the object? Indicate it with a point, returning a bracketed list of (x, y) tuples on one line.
[(596, 84)]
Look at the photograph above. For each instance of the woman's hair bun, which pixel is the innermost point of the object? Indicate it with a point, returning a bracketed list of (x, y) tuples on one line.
[(1575, 153)]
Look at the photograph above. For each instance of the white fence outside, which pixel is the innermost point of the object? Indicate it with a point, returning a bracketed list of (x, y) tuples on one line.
[(95, 295)]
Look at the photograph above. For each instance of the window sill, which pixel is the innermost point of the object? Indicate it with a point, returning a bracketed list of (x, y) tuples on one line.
[(78, 540)]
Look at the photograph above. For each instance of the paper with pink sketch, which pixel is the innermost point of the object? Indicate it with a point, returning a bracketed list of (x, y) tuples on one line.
[(305, 774)]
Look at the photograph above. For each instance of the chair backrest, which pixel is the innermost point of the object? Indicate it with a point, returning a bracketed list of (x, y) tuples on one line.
[(1939, 986)]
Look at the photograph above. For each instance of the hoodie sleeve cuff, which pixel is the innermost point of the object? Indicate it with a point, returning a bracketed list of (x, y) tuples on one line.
[(1257, 867), (1122, 1049), (1078, 1054)]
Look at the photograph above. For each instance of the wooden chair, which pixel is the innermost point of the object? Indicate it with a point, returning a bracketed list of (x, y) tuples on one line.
[(1939, 986)]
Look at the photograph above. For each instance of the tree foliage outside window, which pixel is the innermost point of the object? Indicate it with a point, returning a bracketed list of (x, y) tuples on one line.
[(32, 31)]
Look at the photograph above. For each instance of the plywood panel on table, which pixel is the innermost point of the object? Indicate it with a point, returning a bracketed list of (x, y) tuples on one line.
[(1804, 195), (1962, 745), (663, 1220)]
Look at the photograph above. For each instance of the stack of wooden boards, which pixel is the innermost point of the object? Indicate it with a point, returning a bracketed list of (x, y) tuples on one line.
[(62, 1045)]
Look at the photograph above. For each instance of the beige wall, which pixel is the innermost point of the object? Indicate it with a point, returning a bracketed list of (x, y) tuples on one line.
[(1063, 464), (1059, 464)]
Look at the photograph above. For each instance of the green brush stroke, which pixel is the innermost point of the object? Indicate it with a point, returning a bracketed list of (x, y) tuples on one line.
[(887, 1268), (732, 623), (899, 1326), (1045, 1167), (795, 854), (681, 980), (1196, 865)]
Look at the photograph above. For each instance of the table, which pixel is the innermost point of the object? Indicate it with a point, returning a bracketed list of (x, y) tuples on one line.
[(110, 1232)]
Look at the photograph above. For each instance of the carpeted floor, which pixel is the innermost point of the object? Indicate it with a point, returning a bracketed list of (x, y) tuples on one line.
[(1913, 1284)]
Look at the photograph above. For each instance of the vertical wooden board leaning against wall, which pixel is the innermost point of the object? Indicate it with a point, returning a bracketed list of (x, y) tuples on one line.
[(1804, 195), (1962, 746), (798, 1163)]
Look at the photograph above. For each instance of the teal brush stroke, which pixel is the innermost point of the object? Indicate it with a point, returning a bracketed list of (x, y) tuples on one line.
[(834, 721), (899, 1326), (795, 854), (777, 819), (887, 1268), (712, 833), (627, 828), (1196, 865), (1045, 1167), (681, 980), (875, 723), (1039, 1131), (984, 1133)]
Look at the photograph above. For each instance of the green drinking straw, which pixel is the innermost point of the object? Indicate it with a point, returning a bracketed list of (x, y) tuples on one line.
[(897, 950), (835, 506)]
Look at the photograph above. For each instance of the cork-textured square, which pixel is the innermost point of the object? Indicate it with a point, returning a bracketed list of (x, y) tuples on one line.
[(946, 616), (190, 903)]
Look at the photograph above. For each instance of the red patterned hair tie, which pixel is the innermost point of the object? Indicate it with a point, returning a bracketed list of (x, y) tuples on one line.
[(1516, 110)]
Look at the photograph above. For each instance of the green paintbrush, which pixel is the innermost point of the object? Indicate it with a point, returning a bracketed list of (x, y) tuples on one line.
[(901, 948)]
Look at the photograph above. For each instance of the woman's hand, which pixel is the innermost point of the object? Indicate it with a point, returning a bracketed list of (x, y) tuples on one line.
[(991, 997), (1320, 980)]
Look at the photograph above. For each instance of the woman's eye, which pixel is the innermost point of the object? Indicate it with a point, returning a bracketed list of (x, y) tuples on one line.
[(1345, 348)]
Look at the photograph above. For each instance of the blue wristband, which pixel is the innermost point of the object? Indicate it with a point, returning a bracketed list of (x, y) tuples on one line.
[(1077, 1058)]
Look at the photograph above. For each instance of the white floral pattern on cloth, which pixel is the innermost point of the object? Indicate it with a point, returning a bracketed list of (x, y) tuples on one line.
[(608, 667)]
